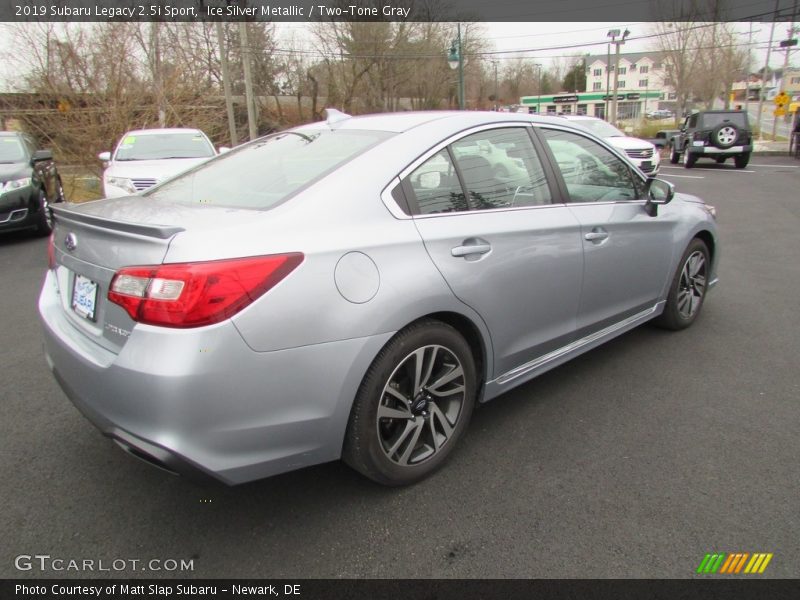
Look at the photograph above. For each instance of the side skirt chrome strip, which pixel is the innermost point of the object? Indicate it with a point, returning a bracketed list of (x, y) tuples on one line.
[(573, 346)]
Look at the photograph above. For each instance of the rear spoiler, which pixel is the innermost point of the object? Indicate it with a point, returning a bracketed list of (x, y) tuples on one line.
[(163, 232)]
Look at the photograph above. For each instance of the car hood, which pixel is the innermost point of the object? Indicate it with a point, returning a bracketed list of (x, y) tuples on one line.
[(628, 143), (18, 170), (151, 169)]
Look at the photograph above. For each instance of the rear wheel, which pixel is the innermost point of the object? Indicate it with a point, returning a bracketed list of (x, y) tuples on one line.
[(688, 158), (741, 160), (412, 406), (688, 289)]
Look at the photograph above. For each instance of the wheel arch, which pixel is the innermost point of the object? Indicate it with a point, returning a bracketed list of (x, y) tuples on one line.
[(708, 239)]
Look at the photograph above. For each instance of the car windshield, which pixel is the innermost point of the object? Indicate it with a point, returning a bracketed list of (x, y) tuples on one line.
[(267, 171), (714, 119), (598, 127), (159, 146), (11, 150)]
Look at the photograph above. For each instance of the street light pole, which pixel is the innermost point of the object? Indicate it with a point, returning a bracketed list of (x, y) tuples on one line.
[(456, 61), (612, 34), (539, 96)]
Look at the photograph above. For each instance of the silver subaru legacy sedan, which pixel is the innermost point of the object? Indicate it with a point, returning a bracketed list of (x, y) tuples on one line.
[(352, 288)]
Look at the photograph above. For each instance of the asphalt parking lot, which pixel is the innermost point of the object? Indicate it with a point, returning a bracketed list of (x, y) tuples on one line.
[(632, 461)]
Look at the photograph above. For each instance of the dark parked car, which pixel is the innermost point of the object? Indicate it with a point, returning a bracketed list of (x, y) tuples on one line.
[(717, 134), (29, 182)]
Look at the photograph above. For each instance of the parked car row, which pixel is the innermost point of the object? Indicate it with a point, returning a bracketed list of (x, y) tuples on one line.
[(29, 184)]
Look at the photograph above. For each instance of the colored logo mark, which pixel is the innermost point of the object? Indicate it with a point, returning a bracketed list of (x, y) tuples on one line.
[(734, 563)]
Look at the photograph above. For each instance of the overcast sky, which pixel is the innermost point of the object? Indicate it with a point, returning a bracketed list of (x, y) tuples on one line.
[(542, 41)]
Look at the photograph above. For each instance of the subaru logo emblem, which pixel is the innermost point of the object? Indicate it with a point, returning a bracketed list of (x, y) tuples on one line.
[(71, 241)]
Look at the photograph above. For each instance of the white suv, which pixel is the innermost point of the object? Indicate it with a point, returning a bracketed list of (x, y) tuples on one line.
[(640, 152), (145, 157)]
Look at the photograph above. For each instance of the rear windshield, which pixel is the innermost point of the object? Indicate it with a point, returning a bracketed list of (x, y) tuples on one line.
[(714, 119), (11, 150), (161, 146), (267, 171)]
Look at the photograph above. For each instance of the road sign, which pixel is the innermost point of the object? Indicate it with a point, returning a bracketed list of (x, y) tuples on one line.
[(779, 112), (782, 99)]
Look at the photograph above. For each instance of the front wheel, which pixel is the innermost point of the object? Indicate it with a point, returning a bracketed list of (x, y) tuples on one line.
[(44, 222), (674, 157), (412, 406), (688, 289)]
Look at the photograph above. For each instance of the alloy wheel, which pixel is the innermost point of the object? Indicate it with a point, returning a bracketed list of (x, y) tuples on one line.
[(692, 285), (420, 405)]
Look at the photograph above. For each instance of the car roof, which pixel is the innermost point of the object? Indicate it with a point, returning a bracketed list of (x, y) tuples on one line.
[(162, 131), (10, 133), (404, 121)]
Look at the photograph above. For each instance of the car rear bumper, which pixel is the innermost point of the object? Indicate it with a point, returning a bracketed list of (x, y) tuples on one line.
[(200, 402)]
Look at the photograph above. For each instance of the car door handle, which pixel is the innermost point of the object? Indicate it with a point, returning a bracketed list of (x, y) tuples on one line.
[(470, 249), (598, 234)]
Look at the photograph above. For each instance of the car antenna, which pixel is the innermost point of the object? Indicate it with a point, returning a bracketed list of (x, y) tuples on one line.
[(333, 116)]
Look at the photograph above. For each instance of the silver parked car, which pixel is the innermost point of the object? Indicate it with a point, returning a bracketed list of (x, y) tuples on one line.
[(352, 288)]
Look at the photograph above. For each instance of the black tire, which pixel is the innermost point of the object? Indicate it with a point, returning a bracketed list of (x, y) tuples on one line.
[(686, 287), (44, 220), (725, 135), (396, 449), (674, 157), (688, 158), (741, 160), (60, 195), (720, 160)]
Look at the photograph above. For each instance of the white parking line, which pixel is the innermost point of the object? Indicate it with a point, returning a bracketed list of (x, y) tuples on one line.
[(776, 166), (685, 176), (715, 170)]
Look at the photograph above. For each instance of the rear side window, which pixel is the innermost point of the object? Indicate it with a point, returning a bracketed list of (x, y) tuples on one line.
[(267, 171), (713, 119), (436, 187)]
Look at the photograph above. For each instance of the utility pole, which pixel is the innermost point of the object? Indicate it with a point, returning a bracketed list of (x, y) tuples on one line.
[(155, 67), (608, 73), (495, 63), (248, 81), (226, 83), (539, 89), (747, 74), (619, 43), (787, 45), (764, 73)]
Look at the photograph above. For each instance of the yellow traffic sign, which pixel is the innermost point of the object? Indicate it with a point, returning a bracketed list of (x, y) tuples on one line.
[(782, 99), (779, 112)]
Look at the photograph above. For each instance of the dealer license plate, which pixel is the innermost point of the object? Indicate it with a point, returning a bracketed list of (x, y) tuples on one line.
[(84, 297), (646, 165)]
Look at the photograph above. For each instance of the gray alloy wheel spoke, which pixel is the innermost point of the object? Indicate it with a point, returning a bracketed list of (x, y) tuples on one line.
[(411, 426), (400, 397), (700, 283), (387, 412), (438, 416), (418, 426), (423, 368), (456, 372), (684, 303)]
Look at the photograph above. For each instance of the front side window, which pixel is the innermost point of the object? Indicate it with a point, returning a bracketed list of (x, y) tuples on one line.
[(263, 173), (591, 172)]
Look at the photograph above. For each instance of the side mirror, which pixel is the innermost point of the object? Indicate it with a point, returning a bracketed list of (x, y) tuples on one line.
[(658, 192), (41, 155), (104, 156), (223, 150)]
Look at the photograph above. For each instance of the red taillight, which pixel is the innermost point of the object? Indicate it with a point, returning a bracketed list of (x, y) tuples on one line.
[(196, 294), (51, 252)]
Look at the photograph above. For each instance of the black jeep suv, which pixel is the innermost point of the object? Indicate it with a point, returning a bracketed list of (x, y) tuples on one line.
[(29, 182), (717, 134)]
